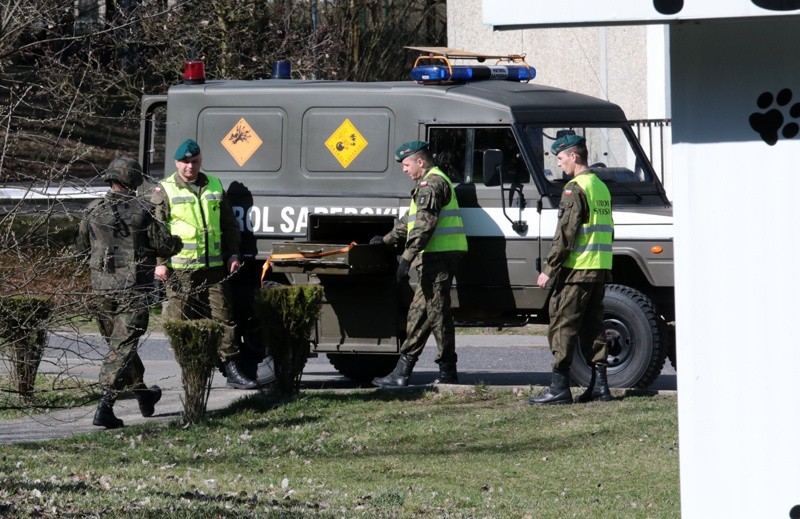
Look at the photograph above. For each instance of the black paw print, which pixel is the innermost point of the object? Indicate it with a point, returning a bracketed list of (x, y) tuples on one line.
[(770, 123), (778, 5), (668, 6)]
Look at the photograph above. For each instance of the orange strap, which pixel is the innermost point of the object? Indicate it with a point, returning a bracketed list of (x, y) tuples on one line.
[(295, 255)]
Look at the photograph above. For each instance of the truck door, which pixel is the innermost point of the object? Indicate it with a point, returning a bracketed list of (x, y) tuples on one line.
[(497, 280)]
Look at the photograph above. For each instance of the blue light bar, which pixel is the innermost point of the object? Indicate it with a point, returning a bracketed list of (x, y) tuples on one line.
[(441, 74)]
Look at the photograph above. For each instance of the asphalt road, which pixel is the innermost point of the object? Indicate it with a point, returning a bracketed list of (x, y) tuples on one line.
[(492, 359)]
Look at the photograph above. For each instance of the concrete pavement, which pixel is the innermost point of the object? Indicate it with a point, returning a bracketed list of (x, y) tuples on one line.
[(497, 360)]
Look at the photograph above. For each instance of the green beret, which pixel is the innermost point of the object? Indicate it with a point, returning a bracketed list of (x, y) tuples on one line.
[(188, 149), (408, 149), (567, 141)]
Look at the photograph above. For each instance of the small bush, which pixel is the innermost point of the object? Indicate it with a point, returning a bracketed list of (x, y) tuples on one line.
[(23, 337), (195, 344), (288, 315)]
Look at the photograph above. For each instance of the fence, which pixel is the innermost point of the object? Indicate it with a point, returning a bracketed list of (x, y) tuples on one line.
[(655, 136)]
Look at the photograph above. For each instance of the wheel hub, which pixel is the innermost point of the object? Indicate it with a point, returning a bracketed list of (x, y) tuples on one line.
[(620, 342)]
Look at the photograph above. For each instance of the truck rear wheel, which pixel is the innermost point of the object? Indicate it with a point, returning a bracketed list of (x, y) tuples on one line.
[(639, 344), (363, 367)]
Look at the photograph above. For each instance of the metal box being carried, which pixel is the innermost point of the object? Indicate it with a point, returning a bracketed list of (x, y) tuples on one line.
[(329, 251)]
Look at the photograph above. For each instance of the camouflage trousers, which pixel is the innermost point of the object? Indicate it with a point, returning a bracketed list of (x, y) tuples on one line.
[(576, 320), (122, 319), (430, 309), (204, 294)]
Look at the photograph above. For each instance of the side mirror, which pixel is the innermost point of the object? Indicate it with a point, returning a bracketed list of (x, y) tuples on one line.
[(492, 166)]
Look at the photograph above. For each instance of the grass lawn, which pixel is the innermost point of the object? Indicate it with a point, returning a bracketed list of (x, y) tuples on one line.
[(49, 393), (414, 453)]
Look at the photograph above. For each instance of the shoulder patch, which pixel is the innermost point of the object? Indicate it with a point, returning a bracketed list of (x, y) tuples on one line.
[(423, 183), (567, 192), (157, 189)]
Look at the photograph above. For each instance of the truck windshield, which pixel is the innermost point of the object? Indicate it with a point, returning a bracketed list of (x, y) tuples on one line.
[(612, 156)]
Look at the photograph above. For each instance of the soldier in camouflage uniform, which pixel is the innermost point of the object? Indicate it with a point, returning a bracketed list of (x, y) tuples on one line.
[(435, 242), (122, 237), (195, 207), (579, 264)]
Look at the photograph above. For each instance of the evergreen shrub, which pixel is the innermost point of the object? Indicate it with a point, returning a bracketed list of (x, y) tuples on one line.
[(23, 337), (195, 344), (288, 314)]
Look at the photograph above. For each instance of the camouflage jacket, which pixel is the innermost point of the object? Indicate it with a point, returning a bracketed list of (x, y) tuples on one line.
[(231, 240), (123, 239), (430, 194), (573, 211)]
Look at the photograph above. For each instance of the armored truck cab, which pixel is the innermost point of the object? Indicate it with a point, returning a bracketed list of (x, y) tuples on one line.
[(309, 168)]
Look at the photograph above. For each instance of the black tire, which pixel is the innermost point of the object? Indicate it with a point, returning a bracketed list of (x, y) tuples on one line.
[(363, 367), (637, 355)]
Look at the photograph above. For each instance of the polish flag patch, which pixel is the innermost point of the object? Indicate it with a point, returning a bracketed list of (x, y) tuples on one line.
[(423, 183), (567, 192)]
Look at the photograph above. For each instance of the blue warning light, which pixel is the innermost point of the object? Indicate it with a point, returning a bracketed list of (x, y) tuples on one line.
[(433, 74)]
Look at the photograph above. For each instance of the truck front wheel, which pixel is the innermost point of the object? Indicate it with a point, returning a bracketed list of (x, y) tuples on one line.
[(638, 344), (363, 367)]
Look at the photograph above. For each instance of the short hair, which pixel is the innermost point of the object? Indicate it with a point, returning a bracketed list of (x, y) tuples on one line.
[(582, 151), (426, 155)]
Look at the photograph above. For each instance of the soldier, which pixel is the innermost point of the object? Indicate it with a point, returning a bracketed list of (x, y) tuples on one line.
[(195, 207), (579, 262), (434, 244), (123, 238)]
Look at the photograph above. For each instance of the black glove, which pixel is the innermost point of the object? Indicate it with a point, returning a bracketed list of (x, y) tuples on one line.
[(376, 240), (402, 269)]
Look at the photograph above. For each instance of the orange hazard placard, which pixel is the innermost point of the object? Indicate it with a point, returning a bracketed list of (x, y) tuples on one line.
[(346, 143), (241, 142)]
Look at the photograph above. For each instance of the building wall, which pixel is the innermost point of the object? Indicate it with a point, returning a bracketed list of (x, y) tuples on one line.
[(609, 63), (736, 120)]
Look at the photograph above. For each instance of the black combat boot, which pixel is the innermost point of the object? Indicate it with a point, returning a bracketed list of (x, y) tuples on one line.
[(557, 393), (236, 379), (398, 377), (448, 374), (598, 386), (104, 416), (147, 398)]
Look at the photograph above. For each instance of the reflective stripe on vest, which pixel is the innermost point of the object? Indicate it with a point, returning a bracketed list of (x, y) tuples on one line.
[(196, 221), (593, 243), (449, 232)]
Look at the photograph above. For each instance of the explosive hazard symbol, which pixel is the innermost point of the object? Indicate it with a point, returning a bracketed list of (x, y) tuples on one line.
[(346, 143), (241, 142)]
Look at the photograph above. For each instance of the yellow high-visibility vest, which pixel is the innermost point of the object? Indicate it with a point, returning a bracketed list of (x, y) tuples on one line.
[(593, 243), (449, 233), (196, 220)]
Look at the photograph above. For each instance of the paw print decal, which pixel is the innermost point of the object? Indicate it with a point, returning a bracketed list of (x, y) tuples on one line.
[(778, 5), (770, 124), (669, 6)]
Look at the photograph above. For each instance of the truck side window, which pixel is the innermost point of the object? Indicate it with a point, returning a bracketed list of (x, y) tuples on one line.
[(449, 147), (459, 151)]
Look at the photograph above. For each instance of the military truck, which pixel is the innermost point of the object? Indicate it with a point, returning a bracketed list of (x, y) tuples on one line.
[(309, 168)]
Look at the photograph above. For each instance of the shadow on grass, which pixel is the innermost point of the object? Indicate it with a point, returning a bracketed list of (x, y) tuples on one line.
[(214, 505), (264, 402)]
